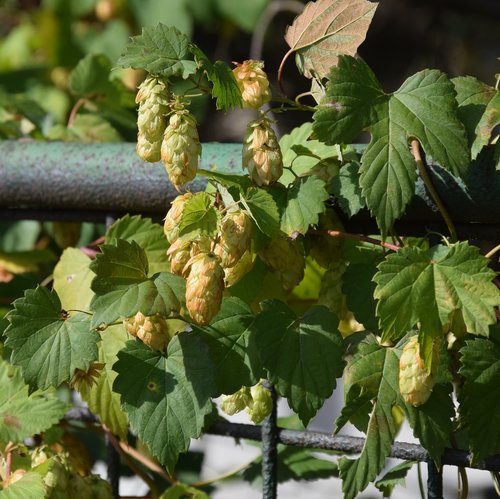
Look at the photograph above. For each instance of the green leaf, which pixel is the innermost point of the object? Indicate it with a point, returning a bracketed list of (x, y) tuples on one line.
[(45, 343), (231, 346), (244, 13), (148, 235), (91, 76), (302, 355), (432, 422), (23, 415), (225, 89), (479, 110), (424, 107), (100, 397), (161, 50), (428, 286), (92, 128), (395, 476), (305, 201), (263, 210), (375, 370), (29, 486), (166, 399), (181, 490), (294, 464), (346, 189), (199, 216), (122, 287), (326, 29), (72, 278), (480, 396)]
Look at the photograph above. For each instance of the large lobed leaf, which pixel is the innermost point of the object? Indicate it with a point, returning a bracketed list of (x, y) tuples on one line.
[(303, 355), (161, 50), (122, 286), (263, 209), (424, 107), (428, 286), (29, 486), (231, 346), (199, 216), (46, 342), (166, 398), (23, 415), (480, 396), (327, 29), (374, 371)]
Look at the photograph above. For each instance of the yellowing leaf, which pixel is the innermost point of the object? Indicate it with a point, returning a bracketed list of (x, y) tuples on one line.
[(325, 30)]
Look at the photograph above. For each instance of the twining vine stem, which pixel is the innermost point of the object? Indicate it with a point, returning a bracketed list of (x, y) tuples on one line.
[(357, 237), (415, 149)]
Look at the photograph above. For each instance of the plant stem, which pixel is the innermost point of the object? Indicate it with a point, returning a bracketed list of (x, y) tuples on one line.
[(492, 252), (8, 463), (223, 476), (415, 149), (420, 481), (463, 491), (72, 116), (357, 237)]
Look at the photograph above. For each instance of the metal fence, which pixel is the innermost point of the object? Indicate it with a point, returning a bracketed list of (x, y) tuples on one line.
[(100, 182)]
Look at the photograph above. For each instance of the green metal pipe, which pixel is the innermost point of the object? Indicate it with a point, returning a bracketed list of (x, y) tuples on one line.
[(95, 177)]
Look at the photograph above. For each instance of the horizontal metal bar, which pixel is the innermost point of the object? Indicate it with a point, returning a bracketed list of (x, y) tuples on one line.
[(351, 445)]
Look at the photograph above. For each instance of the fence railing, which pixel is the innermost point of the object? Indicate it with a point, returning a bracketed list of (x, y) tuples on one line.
[(100, 182)]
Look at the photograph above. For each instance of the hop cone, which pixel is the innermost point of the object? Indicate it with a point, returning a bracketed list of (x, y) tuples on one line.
[(234, 274), (253, 83), (204, 287), (152, 98), (174, 216), (261, 153), (261, 405), (415, 381), (232, 404), (85, 379), (151, 330), (181, 147), (181, 251), (286, 258), (236, 231)]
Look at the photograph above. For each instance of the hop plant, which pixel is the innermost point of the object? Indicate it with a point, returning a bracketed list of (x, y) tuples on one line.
[(236, 232), (174, 216), (153, 100), (234, 274), (286, 258), (204, 287), (261, 153), (85, 379), (183, 249), (415, 380), (253, 83), (181, 146), (152, 330), (261, 405), (237, 402)]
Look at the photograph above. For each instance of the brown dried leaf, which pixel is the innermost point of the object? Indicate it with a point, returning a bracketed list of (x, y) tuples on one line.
[(327, 29)]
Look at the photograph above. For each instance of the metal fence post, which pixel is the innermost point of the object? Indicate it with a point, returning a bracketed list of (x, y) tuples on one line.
[(434, 481), (270, 450)]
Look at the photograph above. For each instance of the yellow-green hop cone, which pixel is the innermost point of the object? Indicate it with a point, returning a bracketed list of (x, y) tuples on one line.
[(204, 287), (237, 402), (236, 233), (234, 274), (253, 83), (179, 254), (152, 98), (261, 154), (151, 330), (287, 259), (181, 148), (415, 381), (262, 403), (174, 216)]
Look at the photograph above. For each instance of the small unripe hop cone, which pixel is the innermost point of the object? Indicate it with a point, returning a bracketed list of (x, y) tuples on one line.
[(152, 98), (261, 154), (415, 381), (181, 148), (152, 331), (204, 287), (174, 216), (236, 232), (253, 83)]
